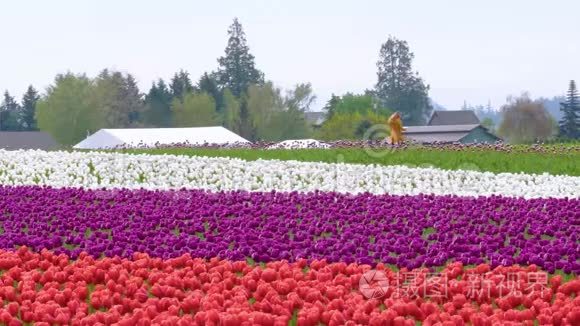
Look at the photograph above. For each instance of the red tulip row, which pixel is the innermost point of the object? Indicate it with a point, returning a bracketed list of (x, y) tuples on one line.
[(46, 288)]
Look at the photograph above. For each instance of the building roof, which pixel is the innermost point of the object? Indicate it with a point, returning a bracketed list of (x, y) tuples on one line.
[(445, 134), (458, 117), (149, 137), (27, 140), (451, 137), (315, 118), (440, 129)]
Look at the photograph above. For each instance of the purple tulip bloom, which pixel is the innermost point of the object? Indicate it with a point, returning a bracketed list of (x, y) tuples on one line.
[(409, 231)]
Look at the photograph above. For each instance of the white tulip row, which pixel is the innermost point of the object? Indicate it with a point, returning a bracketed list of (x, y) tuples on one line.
[(115, 170)]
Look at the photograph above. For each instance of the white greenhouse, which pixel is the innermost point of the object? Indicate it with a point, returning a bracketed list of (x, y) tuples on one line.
[(150, 137)]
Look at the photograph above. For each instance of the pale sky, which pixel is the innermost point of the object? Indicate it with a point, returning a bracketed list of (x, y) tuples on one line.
[(465, 50)]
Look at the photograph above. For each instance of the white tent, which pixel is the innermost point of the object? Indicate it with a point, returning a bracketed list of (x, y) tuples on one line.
[(299, 143), (148, 137)]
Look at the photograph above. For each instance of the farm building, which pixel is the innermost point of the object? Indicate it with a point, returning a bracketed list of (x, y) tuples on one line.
[(458, 117), (14, 140), (466, 134), (150, 137), (461, 126)]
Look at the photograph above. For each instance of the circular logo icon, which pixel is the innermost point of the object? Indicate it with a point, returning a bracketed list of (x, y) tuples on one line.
[(468, 166), (373, 284), (376, 143), (106, 193)]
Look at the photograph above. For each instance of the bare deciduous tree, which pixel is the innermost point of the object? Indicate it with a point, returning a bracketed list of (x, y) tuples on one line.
[(525, 121)]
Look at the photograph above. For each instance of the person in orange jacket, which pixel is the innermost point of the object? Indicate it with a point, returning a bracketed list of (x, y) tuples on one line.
[(396, 125)]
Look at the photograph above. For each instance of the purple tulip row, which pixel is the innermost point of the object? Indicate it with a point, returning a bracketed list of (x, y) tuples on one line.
[(406, 231)]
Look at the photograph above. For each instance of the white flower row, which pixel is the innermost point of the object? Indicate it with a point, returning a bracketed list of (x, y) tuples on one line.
[(115, 170)]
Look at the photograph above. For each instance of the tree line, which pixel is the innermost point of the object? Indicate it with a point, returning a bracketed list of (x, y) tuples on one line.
[(238, 96), (15, 116), (526, 120)]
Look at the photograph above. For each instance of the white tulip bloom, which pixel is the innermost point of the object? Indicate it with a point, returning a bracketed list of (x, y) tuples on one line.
[(116, 170)]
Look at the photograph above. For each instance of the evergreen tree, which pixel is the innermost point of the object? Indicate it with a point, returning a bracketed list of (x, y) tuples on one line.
[(105, 96), (132, 100), (488, 107), (118, 96), (570, 123), (29, 101), (245, 128), (158, 106), (398, 87), (330, 106), (208, 84), (180, 84), (465, 107), (9, 114), (237, 69)]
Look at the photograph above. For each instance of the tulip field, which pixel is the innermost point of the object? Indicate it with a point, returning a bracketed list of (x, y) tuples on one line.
[(150, 238)]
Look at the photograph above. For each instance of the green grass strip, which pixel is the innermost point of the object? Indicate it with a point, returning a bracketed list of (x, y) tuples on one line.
[(492, 161)]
